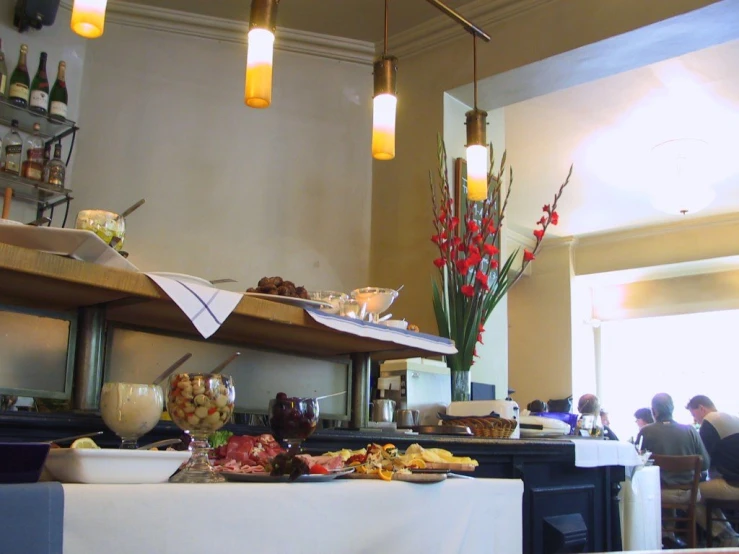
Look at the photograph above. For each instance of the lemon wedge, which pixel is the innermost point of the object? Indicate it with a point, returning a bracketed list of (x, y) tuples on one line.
[(385, 474), (86, 442)]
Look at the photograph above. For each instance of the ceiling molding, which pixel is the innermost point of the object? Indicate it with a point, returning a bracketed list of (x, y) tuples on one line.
[(226, 30), (441, 29), (606, 237)]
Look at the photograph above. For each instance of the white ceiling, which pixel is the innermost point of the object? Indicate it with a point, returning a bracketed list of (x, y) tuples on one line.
[(357, 19), (608, 127)]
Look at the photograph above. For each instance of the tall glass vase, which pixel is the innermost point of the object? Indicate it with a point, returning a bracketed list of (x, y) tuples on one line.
[(461, 385)]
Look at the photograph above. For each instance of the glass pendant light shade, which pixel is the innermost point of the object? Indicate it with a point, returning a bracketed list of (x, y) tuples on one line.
[(260, 52), (383, 127), (258, 87), (88, 17), (384, 108), (477, 156)]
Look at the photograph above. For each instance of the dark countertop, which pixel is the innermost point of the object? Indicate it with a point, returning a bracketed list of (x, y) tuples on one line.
[(31, 426)]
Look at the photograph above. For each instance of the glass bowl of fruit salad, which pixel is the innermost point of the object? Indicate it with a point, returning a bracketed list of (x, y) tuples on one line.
[(200, 404), (106, 225), (292, 419)]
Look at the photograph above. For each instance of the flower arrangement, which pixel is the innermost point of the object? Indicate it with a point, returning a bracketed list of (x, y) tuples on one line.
[(472, 279)]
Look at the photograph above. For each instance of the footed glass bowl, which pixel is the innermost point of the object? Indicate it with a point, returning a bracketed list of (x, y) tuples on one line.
[(292, 420), (106, 225), (376, 300)]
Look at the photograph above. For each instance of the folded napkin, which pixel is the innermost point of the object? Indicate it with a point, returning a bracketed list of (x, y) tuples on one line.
[(206, 306), (31, 518)]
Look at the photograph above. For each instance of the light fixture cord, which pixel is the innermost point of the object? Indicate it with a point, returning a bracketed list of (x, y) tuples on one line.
[(384, 50), (474, 65)]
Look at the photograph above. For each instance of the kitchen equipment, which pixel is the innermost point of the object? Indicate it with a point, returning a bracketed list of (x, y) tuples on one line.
[(442, 430), (507, 409), (416, 384), (330, 395), (407, 418), (75, 437), (383, 409), (129, 211), (332, 298), (220, 367)]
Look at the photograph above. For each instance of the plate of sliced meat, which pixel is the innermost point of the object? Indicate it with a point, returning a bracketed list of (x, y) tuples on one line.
[(263, 477)]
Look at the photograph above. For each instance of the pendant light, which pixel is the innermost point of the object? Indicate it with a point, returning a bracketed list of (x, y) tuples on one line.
[(477, 150), (260, 49), (384, 103), (88, 17)]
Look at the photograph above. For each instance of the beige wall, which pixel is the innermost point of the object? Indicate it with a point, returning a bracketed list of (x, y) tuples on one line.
[(401, 224)]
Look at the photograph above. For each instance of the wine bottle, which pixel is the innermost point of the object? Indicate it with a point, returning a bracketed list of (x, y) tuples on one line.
[(20, 81), (58, 98), (3, 73), (12, 150), (40, 88)]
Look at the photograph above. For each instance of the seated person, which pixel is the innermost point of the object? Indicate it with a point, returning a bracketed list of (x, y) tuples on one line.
[(720, 434), (609, 434), (643, 417), (590, 405), (537, 406), (669, 438)]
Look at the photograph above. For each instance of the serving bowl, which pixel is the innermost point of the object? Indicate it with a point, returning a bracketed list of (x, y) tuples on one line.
[(106, 225), (131, 410), (376, 300), (292, 419)]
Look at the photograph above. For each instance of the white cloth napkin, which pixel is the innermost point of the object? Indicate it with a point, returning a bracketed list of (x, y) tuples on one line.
[(207, 307), (597, 453)]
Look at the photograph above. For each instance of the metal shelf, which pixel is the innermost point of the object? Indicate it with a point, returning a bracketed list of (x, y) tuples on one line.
[(51, 130), (43, 194)]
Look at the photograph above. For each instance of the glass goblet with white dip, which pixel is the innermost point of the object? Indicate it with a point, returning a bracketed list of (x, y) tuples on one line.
[(131, 410)]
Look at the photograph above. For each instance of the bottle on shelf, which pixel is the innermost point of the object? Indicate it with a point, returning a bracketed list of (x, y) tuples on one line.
[(12, 149), (55, 170), (20, 82), (33, 166), (58, 99), (39, 98), (3, 73)]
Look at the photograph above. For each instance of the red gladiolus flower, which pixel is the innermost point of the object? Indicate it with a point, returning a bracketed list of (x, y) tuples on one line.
[(479, 338), (442, 215), (474, 353), (490, 249), (543, 220), (462, 266), (528, 256), (554, 218), (480, 328), (456, 241), (468, 290), (435, 239), (546, 208), (491, 229), (478, 239), (494, 263), (454, 223), (539, 234), (473, 259), (439, 262), (482, 279), (472, 226)]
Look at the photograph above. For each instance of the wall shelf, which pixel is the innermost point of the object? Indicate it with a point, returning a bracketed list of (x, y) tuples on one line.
[(52, 131)]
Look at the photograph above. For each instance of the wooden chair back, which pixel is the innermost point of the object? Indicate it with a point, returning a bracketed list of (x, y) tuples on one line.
[(672, 521)]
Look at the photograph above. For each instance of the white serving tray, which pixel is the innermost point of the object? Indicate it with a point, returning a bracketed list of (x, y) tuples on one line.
[(81, 245), (113, 466)]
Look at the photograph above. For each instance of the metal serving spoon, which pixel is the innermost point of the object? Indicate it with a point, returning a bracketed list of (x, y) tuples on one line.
[(157, 444)]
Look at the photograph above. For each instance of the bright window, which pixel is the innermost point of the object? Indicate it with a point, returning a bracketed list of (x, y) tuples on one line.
[(681, 355)]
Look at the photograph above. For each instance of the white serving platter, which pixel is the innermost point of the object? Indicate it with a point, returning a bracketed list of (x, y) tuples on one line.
[(80, 245), (112, 466)]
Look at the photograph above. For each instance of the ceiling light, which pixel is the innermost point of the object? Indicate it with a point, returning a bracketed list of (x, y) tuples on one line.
[(260, 49), (88, 17), (477, 151), (385, 103)]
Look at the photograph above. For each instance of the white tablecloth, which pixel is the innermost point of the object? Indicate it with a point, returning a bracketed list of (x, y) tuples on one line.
[(341, 517), (597, 453), (641, 503)]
